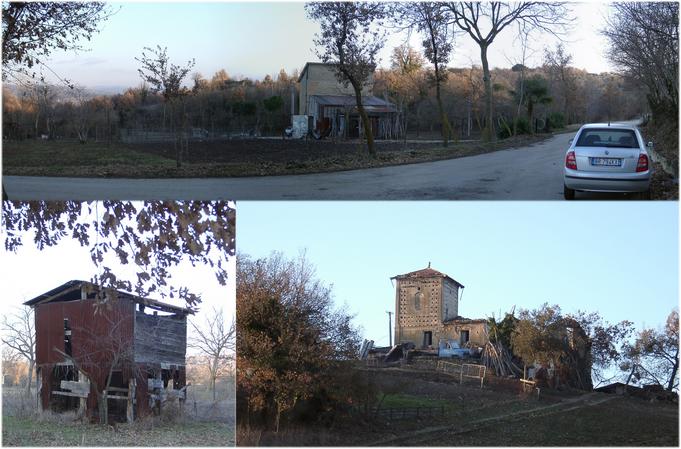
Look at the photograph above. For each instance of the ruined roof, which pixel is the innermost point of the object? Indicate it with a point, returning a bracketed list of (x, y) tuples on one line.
[(70, 291), (426, 273), (463, 320)]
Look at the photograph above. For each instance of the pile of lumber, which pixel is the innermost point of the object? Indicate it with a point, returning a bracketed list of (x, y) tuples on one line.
[(498, 359)]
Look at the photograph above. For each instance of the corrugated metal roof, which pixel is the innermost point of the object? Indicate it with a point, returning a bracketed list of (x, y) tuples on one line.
[(70, 291), (349, 100)]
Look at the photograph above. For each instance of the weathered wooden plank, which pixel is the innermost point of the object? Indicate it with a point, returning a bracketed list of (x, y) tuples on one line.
[(67, 393), (120, 398), (123, 390), (75, 386)]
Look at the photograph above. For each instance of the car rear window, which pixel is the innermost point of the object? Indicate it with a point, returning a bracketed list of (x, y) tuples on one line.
[(607, 137)]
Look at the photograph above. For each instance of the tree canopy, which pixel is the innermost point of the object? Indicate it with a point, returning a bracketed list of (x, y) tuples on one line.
[(31, 31), (155, 236), (290, 337)]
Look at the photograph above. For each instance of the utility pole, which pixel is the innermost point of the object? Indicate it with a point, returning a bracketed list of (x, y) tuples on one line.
[(390, 327)]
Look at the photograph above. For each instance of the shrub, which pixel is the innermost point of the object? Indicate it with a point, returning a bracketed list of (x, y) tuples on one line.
[(556, 120), (522, 126)]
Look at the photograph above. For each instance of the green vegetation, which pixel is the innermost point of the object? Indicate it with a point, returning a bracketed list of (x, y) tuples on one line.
[(407, 400)]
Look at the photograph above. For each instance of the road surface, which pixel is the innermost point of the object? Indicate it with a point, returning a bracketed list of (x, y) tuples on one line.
[(528, 173)]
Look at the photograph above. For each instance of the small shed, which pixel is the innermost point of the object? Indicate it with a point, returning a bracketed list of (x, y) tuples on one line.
[(96, 344)]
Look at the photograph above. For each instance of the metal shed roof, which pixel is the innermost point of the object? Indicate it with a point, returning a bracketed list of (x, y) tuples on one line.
[(70, 291)]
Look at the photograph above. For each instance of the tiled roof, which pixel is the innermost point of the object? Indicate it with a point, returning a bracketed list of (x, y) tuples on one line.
[(425, 273)]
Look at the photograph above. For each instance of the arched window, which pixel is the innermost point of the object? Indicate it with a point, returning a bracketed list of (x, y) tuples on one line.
[(417, 300)]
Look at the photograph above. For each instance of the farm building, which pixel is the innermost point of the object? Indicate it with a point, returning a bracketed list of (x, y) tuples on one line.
[(427, 311), (87, 337), (331, 107)]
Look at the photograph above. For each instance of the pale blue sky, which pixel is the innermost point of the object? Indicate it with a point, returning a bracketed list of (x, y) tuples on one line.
[(620, 259), (254, 39)]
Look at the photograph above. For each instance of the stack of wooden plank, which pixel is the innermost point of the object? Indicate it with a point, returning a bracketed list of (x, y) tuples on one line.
[(499, 359)]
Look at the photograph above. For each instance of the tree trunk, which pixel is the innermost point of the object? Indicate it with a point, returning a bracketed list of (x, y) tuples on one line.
[(670, 385), (31, 365), (446, 128), (487, 133), (368, 133)]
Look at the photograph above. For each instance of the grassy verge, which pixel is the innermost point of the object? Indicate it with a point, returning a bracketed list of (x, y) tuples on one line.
[(68, 159), (408, 401), (29, 431)]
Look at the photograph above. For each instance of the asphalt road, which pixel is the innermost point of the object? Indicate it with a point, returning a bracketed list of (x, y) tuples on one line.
[(528, 173)]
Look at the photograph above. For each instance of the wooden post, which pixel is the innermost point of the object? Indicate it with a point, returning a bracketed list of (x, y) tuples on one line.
[(130, 411), (39, 388), (82, 402)]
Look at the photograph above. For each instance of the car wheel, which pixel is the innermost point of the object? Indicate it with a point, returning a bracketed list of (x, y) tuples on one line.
[(568, 193)]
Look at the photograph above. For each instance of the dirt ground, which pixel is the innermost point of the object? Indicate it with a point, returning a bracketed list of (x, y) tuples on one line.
[(499, 414), (246, 157)]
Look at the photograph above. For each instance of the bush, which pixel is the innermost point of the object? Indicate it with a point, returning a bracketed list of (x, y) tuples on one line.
[(522, 126), (555, 120)]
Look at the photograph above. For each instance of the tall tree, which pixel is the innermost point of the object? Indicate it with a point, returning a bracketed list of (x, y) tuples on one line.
[(350, 41), (18, 331), (654, 356), (484, 21), (558, 61), (215, 341), (31, 31), (291, 340), (432, 21), (167, 78), (407, 82), (644, 44), (535, 91)]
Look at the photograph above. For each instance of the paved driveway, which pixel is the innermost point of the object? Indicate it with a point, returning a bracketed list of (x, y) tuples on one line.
[(528, 173)]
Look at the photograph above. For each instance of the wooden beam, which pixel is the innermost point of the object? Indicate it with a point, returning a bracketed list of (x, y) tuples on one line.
[(67, 393)]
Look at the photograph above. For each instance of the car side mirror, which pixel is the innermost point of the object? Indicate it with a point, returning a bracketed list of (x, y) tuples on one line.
[(570, 142), (650, 144)]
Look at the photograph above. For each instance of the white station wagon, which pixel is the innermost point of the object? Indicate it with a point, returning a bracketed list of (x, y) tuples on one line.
[(607, 157)]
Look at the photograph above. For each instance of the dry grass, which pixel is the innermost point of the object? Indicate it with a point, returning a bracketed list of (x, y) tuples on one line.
[(23, 425)]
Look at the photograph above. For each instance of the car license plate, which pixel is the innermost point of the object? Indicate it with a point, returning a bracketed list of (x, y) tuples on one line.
[(606, 161)]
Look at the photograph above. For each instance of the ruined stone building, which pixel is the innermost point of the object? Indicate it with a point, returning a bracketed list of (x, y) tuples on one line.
[(331, 107), (84, 335), (427, 311)]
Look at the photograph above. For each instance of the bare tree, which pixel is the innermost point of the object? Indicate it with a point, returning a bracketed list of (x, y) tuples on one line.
[(644, 44), (348, 41), (215, 341), (558, 62), (432, 20), (484, 21), (165, 77), (19, 335)]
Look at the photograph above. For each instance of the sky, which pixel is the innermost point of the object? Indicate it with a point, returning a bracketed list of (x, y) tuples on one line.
[(30, 273), (253, 39), (615, 258)]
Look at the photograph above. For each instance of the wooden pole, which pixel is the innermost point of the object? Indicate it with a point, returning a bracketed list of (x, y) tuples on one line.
[(130, 410)]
